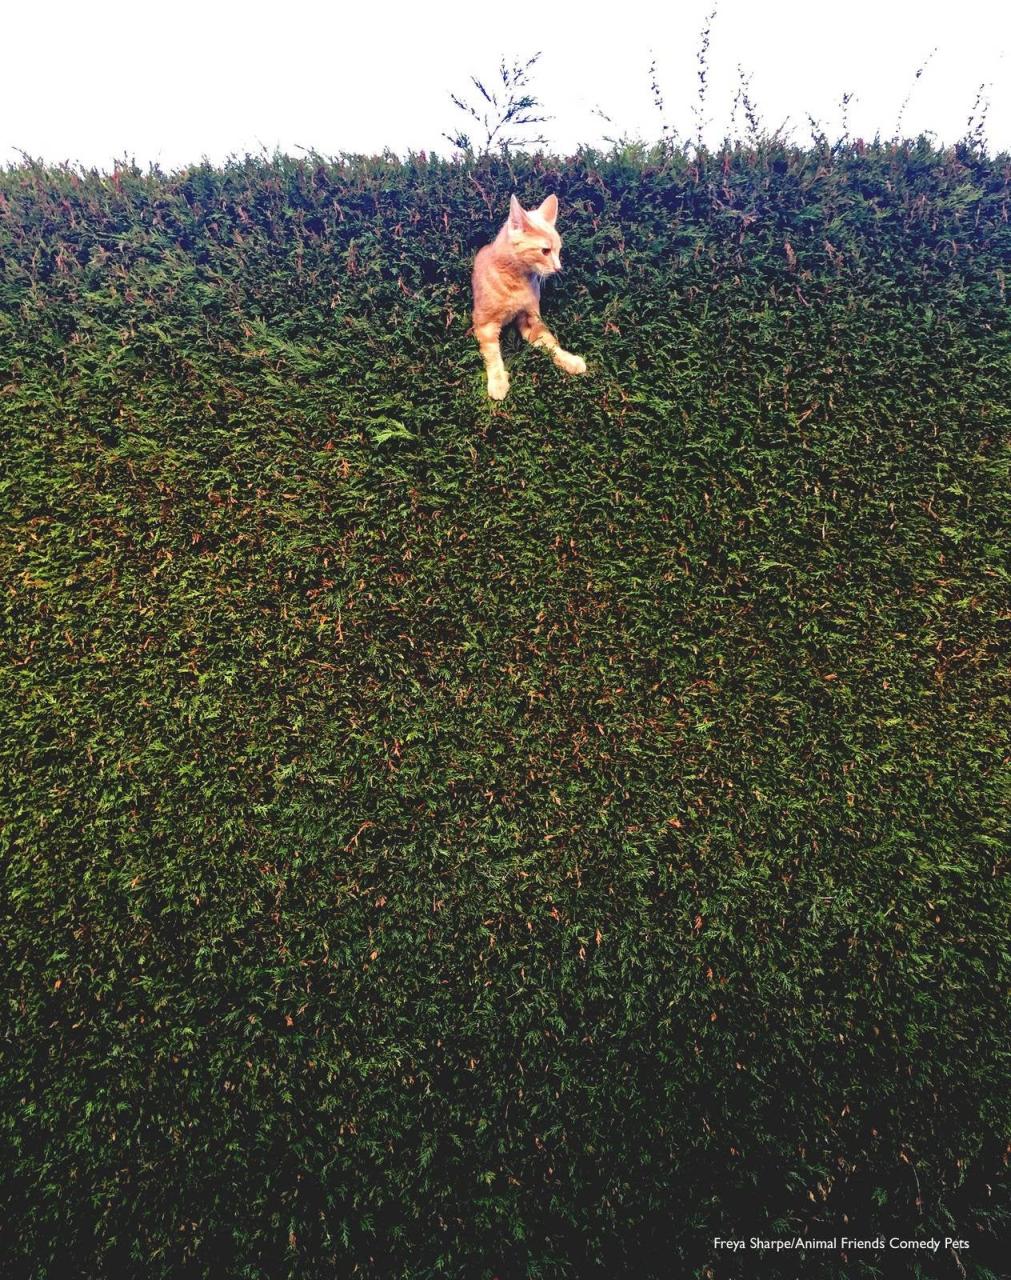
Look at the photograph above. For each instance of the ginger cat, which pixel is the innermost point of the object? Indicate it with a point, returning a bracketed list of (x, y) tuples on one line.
[(507, 286)]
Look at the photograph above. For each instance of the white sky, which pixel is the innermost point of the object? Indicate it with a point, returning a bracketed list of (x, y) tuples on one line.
[(95, 80)]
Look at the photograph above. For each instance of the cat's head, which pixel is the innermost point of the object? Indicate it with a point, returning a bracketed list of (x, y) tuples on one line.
[(533, 236)]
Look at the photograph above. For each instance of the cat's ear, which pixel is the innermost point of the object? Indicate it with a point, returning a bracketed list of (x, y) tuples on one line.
[(517, 215), (549, 209)]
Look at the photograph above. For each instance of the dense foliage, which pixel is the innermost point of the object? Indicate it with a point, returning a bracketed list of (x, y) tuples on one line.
[(451, 839)]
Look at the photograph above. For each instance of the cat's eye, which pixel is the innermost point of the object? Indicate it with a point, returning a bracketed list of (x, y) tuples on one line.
[(545, 251)]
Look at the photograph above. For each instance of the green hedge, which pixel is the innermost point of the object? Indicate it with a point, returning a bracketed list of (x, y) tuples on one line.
[(445, 839)]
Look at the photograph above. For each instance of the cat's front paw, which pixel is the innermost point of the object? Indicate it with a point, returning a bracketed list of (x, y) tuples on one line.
[(570, 363), (498, 384)]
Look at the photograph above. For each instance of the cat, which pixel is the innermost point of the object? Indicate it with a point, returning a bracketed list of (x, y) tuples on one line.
[(507, 286)]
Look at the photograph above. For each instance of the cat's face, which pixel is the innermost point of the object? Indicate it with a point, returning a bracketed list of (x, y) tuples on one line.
[(533, 236)]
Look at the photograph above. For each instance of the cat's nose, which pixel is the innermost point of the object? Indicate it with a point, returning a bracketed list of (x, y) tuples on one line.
[(556, 262)]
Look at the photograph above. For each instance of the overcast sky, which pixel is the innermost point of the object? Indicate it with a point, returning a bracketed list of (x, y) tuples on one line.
[(96, 80)]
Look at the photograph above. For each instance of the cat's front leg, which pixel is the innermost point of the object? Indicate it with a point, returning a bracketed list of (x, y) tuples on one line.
[(537, 333), (491, 352), (567, 361)]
